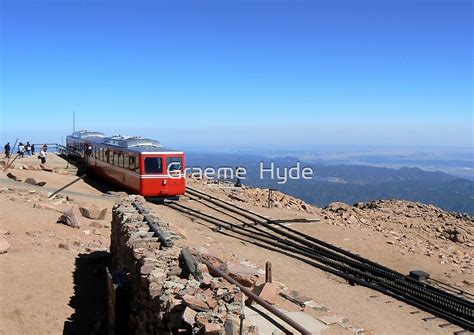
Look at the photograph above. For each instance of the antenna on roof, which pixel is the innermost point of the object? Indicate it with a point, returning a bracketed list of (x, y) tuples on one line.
[(73, 121)]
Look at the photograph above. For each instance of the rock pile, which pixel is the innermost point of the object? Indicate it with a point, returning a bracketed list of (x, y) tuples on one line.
[(259, 197), (72, 214), (255, 196), (413, 226), (168, 295)]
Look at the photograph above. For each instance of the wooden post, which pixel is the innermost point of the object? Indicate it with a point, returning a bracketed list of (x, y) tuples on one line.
[(270, 197), (268, 272)]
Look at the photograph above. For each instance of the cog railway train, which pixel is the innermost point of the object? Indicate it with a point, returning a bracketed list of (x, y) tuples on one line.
[(142, 166)]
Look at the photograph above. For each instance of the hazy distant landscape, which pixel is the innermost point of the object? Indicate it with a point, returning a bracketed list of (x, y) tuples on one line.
[(455, 161), (351, 178)]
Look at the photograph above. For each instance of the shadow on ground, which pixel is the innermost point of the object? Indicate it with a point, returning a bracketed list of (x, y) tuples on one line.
[(101, 185), (90, 295), (91, 179)]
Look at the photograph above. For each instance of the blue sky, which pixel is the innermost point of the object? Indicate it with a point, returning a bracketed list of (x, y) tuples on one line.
[(240, 73)]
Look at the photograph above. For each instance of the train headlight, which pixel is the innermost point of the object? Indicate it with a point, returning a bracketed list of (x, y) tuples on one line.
[(165, 182)]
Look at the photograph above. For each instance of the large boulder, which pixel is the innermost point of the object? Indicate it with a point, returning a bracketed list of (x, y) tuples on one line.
[(71, 217), (4, 245), (93, 212)]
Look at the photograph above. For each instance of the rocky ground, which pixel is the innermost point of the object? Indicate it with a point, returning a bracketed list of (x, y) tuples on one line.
[(55, 251), (413, 228), (52, 274), (408, 227), (254, 196)]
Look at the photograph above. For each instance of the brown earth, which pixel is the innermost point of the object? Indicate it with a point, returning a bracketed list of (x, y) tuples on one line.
[(48, 281), (52, 277)]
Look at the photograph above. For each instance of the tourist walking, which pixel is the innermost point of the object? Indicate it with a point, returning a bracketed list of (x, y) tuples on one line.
[(7, 150), (42, 154)]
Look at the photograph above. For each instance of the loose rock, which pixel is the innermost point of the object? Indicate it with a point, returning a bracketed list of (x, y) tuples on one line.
[(30, 181), (93, 212), (72, 217), (4, 245)]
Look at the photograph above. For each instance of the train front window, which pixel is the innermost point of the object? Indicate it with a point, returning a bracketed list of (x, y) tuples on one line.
[(174, 164), (153, 165)]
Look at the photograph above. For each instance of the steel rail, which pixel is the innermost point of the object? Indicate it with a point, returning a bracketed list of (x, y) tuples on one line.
[(264, 220), (194, 198), (345, 271), (316, 243), (229, 206), (355, 280), (422, 295), (264, 236)]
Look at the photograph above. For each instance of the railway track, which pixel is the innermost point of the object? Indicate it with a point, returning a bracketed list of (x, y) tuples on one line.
[(266, 233)]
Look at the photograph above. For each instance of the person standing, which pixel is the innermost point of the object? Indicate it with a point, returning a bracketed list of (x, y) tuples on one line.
[(239, 173), (7, 150), (42, 154), (21, 150), (33, 149), (28, 149)]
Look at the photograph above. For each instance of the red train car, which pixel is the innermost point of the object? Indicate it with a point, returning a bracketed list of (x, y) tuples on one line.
[(142, 166)]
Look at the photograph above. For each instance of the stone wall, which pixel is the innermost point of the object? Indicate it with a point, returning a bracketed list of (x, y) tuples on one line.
[(164, 297)]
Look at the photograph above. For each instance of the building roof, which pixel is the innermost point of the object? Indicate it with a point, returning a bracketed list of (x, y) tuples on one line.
[(131, 143)]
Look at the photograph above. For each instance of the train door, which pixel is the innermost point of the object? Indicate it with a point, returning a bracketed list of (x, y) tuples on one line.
[(175, 169), (153, 180)]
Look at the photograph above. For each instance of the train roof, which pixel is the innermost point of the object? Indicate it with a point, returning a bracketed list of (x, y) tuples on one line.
[(130, 143)]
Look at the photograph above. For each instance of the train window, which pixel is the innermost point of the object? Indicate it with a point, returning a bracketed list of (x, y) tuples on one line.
[(137, 165), (101, 154), (107, 156), (132, 162), (174, 164), (125, 161), (120, 160), (153, 165), (114, 158)]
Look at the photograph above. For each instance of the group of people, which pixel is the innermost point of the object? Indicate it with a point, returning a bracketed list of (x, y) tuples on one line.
[(28, 149)]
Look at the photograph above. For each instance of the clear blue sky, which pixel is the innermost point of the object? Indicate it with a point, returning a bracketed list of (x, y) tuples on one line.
[(243, 73)]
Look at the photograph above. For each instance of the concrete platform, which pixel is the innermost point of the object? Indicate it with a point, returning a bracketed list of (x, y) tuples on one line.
[(267, 323)]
